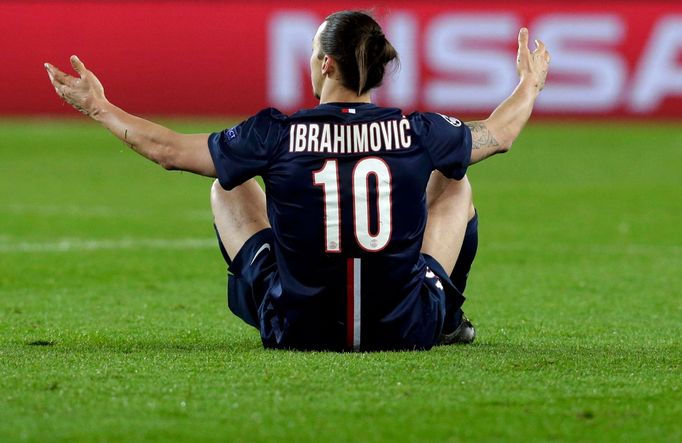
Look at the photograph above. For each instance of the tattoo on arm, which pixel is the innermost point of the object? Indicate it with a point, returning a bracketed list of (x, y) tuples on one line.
[(125, 137), (481, 136)]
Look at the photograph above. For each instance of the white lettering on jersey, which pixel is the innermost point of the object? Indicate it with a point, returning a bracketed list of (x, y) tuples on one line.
[(297, 139), (326, 143), (313, 132), (375, 137), (332, 138), (360, 137), (405, 137), (339, 139)]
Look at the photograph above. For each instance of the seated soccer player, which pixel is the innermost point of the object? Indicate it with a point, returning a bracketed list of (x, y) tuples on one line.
[(366, 230)]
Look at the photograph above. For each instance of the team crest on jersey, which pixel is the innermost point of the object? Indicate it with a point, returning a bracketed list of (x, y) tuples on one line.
[(452, 120)]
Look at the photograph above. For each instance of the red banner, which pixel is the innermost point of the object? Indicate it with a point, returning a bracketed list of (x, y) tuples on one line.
[(233, 58)]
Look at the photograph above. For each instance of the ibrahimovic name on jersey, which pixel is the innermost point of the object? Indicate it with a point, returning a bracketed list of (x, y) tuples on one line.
[(356, 138)]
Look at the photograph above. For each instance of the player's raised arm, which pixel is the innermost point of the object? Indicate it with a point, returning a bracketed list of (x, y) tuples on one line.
[(497, 133), (155, 142)]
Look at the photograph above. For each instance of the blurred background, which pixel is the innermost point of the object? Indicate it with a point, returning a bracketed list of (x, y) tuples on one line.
[(231, 58)]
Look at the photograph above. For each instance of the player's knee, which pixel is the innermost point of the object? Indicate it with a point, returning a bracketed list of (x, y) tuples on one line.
[(215, 187), (218, 195)]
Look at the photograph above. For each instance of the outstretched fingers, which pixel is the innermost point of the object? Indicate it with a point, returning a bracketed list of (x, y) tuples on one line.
[(81, 91), (523, 40), (541, 50), (78, 66), (58, 77), (540, 47), (523, 54), (533, 65)]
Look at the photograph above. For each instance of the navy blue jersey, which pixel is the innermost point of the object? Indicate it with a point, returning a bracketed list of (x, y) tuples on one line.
[(346, 198)]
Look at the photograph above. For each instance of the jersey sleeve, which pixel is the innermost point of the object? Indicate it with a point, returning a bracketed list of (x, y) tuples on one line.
[(447, 141), (246, 150)]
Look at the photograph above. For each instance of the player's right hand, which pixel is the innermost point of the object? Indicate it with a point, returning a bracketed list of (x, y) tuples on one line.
[(532, 66), (85, 93)]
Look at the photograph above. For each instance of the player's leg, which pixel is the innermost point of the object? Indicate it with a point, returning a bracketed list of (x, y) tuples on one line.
[(451, 238), (238, 214), (453, 314), (467, 252), (241, 224), (449, 204)]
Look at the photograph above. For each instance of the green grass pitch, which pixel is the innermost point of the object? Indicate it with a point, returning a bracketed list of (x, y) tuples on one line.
[(114, 326)]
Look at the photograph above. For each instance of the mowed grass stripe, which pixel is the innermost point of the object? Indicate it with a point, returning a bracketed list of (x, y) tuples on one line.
[(75, 245), (575, 293)]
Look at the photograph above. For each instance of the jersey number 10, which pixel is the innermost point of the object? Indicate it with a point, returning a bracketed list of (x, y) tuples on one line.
[(328, 178)]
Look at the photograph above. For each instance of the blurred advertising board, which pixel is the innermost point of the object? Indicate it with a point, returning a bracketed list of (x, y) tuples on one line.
[(609, 58)]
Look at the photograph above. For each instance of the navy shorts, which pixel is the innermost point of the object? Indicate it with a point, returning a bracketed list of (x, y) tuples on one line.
[(254, 281), (253, 274)]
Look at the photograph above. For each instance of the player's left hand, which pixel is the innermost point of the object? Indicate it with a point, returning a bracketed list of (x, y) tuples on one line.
[(532, 65), (85, 93)]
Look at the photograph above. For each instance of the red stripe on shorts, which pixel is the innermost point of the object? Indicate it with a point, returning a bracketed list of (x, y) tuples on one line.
[(350, 309)]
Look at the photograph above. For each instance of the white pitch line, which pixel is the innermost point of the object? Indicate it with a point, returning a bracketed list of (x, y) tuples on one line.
[(69, 245), (93, 212), (60, 210)]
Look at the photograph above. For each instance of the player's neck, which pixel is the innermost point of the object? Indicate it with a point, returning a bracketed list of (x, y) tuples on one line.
[(335, 92)]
